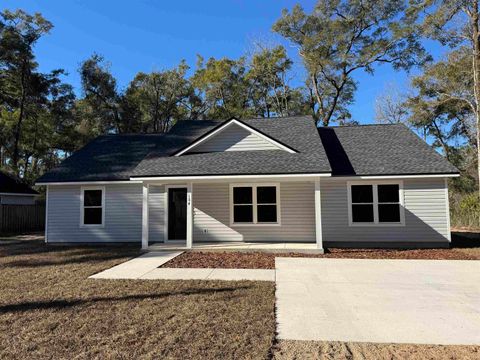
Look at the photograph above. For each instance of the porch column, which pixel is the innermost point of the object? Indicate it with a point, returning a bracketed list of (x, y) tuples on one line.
[(318, 215), (189, 215), (145, 187)]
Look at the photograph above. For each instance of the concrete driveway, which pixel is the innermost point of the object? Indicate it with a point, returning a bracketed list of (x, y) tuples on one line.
[(390, 301)]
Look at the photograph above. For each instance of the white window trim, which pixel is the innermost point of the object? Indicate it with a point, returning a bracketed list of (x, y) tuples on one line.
[(375, 184), (82, 196), (255, 204)]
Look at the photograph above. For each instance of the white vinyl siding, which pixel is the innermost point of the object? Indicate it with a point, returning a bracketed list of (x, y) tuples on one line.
[(234, 138), (212, 215), (156, 213), (123, 215), (426, 217)]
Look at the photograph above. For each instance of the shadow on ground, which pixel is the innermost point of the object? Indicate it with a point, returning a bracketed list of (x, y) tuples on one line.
[(63, 303), (465, 239)]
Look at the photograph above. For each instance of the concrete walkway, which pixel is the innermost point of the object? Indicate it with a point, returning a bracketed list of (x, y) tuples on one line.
[(147, 267), (237, 246), (210, 274), (137, 267), (387, 301)]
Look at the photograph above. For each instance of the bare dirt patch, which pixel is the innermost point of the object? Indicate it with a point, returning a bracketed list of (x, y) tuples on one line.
[(347, 350), (264, 260), (49, 309)]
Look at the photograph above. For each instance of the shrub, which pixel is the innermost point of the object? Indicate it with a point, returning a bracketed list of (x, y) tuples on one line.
[(465, 210)]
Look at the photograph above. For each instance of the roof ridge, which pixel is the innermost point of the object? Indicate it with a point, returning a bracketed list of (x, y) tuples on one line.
[(359, 125), (130, 134), (276, 117)]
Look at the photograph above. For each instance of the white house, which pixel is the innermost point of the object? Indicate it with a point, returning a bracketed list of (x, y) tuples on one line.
[(259, 180)]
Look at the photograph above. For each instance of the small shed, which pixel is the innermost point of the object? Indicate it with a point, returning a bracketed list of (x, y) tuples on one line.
[(14, 192)]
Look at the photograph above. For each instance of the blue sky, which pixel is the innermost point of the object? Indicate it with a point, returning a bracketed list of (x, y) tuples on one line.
[(146, 35)]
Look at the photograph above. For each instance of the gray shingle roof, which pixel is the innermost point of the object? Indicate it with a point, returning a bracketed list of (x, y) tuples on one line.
[(380, 150), (298, 133), (11, 185), (356, 150), (113, 157)]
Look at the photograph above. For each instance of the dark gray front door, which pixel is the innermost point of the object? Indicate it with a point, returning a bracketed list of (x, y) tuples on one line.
[(177, 214)]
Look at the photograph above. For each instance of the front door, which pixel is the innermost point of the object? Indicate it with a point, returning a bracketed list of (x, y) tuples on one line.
[(177, 214)]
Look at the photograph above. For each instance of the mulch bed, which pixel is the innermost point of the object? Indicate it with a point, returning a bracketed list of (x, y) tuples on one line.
[(265, 260)]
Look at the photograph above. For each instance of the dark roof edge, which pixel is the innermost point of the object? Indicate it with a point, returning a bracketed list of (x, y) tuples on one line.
[(233, 174), (103, 180), (404, 174), (133, 177)]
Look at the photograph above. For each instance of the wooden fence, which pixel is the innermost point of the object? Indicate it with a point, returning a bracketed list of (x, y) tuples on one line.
[(21, 218)]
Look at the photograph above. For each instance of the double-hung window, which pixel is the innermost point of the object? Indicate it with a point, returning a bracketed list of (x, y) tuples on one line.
[(92, 206), (375, 204), (255, 204)]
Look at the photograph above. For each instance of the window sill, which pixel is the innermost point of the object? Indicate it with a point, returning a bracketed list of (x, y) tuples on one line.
[(254, 224), (92, 225), (376, 224)]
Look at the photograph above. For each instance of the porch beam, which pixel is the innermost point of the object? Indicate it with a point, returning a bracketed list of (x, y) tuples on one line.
[(145, 191), (189, 215), (318, 215)]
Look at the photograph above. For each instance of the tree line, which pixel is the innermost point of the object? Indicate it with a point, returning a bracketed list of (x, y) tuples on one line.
[(42, 120)]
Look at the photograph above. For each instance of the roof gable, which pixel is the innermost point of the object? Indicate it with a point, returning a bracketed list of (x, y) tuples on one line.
[(234, 135), (11, 185)]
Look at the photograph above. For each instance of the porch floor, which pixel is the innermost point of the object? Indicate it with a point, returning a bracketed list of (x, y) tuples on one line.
[(236, 246)]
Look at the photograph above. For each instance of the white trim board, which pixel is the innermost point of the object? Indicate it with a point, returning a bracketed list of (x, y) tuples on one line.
[(18, 194), (447, 210), (231, 177), (242, 125), (381, 177), (139, 180), (88, 182), (46, 215)]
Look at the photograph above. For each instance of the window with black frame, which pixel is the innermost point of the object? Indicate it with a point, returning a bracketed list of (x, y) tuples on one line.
[(255, 204), (375, 204), (266, 204), (243, 204), (92, 207), (362, 204), (388, 203)]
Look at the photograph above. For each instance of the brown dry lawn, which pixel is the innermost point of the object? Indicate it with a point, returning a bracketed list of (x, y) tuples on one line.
[(313, 350), (49, 309)]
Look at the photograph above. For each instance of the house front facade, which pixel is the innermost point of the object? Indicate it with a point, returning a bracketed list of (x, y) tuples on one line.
[(259, 180)]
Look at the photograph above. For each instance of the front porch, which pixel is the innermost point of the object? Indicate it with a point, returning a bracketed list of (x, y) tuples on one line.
[(237, 246), (272, 213)]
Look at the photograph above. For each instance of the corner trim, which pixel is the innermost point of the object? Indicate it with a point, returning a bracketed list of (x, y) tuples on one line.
[(447, 209), (46, 216)]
